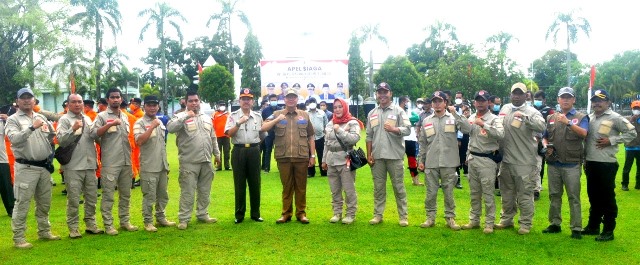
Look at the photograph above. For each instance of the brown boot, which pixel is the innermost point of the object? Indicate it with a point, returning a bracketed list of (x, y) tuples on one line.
[(416, 181)]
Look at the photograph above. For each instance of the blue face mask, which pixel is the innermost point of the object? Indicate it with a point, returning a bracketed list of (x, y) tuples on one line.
[(496, 107), (537, 103), (273, 103)]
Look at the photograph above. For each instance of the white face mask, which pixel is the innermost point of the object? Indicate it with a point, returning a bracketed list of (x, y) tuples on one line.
[(312, 105), (458, 101), (636, 112), (419, 106), (222, 108)]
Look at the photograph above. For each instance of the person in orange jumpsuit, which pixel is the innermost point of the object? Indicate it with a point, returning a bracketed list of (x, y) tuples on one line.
[(135, 152), (136, 110), (88, 110)]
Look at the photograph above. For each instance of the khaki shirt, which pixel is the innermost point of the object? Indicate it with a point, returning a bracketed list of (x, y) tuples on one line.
[(439, 137), (485, 139), (115, 149), (4, 159), (349, 134), (249, 132), (519, 144), (26, 144), (153, 153), (84, 155), (608, 125), (293, 135), (387, 145), (195, 137)]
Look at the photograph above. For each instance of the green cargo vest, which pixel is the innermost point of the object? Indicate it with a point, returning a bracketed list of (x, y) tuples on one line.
[(568, 145)]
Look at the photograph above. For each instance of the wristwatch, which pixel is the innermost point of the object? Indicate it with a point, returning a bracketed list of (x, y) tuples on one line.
[(32, 128), (313, 156), (569, 124)]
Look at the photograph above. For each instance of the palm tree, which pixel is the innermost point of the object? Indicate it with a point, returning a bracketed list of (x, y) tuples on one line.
[(159, 16), (571, 25), (224, 18), (96, 15), (74, 63), (366, 34), (114, 59), (503, 40)]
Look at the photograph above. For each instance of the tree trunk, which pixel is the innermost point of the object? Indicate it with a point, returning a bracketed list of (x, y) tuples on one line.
[(96, 59), (31, 63), (164, 77), (568, 61)]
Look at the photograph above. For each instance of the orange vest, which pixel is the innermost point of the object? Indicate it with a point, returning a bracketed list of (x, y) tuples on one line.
[(219, 122)]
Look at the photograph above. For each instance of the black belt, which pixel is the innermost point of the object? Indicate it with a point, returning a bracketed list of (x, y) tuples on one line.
[(42, 163), (246, 145), (482, 155)]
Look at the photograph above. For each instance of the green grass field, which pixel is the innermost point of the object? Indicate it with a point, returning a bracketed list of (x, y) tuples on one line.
[(322, 242)]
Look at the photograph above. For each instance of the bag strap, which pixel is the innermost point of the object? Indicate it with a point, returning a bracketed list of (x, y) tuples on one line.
[(340, 141)]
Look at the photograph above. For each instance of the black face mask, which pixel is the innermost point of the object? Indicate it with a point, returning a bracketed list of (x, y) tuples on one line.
[(183, 106)]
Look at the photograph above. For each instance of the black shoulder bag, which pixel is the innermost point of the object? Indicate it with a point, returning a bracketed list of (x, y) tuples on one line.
[(63, 154), (357, 159)]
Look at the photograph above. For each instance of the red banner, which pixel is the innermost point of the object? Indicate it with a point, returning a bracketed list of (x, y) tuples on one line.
[(73, 83), (593, 76)]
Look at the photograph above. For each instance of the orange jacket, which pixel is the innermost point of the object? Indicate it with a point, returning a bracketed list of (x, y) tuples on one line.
[(219, 121)]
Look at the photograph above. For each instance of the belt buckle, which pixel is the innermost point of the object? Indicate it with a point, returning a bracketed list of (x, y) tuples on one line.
[(247, 145)]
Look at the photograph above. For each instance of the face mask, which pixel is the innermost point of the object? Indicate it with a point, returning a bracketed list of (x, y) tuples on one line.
[(528, 103), (458, 101), (133, 107), (636, 112), (273, 103), (496, 107), (419, 106), (36, 108), (323, 107), (537, 103), (183, 106), (222, 108), (312, 105)]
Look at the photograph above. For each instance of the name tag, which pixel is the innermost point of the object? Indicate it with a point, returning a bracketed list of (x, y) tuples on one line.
[(153, 132), (112, 129), (191, 125), (391, 120), (516, 122), (373, 120)]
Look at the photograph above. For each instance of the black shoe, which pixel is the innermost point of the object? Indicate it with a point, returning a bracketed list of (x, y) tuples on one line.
[(552, 229), (310, 176), (589, 231), (605, 236), (257, 219), (625, 188), (536, 195), (218, 169), (81, 202), (227, 169), (458, 186), (64, 192), (136, 183), (237, 221), (576, 234)]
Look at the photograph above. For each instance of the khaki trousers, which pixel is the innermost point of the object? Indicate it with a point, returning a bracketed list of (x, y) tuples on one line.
[(568, 178), (154, 192), (434, 177), (113, 177), (395, 169), (195, 178), (342, 179), (30, 182), (516, 188), (80, 182), (482, 177)]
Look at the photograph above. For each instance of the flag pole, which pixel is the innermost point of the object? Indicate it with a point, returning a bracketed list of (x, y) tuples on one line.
[(592, 79)]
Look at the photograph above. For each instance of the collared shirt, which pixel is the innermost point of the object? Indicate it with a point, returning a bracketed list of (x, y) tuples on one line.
[(319, 120), (519, 146), (266, 113), (4, 158), (115, 148), (387, 145), (195, 137), (249, 132), (292, 135), (26, 144), (438, 136), (153, 153), (349, 134), (485, 139), (84, 155), (608, 125)]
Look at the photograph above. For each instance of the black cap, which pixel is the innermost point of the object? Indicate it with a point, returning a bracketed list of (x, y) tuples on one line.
[(222, 102), (482, 94), (602, 94), (296, 85), (439, 94), (311, 85), (325, 85), (151, 99), (340, 84), (89, 102), (103, 101), (384, 86), (137, 100), (271, 85)]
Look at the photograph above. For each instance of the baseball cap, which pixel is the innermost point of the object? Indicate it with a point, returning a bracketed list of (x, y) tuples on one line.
[(601, 93), (291, 92), (439, 94), (420, 100), (88, 102), (566, 90), (520, 86), (246, 93), (151, 99), (482, 94), (384, 86), (26, 90)]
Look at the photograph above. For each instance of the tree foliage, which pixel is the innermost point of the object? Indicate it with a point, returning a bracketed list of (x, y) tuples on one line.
[(402, 76), (251, 64), (224, 32), (357, 79), (216, 84)]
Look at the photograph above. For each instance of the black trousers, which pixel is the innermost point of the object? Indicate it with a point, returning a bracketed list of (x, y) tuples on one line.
[(319, 151), (6, 189), (246, 170), (630, 156), (224, 144), (266, 153), (601, 178)]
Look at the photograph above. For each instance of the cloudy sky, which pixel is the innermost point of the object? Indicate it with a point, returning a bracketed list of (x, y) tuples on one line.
[(321, 29)]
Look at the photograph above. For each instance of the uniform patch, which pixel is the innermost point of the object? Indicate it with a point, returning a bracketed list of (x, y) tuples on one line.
[(450, 122), (483, 132), (574, 121), (283, 122), (552, 122)]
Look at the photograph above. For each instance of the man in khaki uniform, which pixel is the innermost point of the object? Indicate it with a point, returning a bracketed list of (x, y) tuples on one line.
[(150, 137), (196, 141), (244, 127), (439, 134), (607, 129), (293, 143), (111, 128), (80, 172), (31, 137), (387, 125), (519, 160), (486, 132), (564, 139)]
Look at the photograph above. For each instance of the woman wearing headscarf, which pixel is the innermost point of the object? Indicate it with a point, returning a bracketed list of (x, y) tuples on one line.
[(335, 161)]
